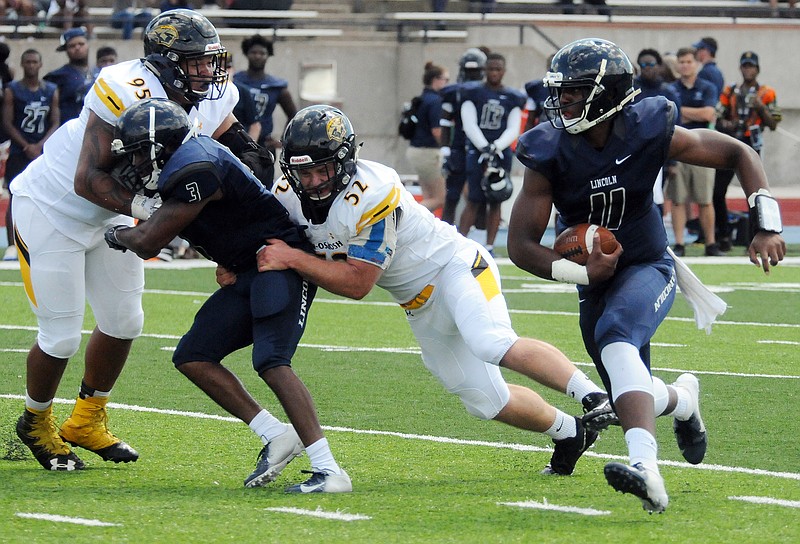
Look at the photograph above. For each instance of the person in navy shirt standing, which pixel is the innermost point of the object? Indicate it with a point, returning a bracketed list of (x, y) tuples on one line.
[(424, 148), (268, 91), (30, 116), (74, 79), (491, 115), (596, 161)]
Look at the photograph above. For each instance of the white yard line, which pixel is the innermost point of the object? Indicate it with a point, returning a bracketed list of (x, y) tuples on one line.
[(767, 500), (318, 513), (558, 508), (65, 519)]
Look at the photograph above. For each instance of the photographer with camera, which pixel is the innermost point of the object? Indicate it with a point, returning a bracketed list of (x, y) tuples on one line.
[(743, 110)]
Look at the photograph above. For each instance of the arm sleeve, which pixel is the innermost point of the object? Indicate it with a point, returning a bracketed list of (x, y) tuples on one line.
[(469, 118), (512, 130)]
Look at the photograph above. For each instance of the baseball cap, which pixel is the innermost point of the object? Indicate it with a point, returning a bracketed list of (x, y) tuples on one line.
[(706, 43), (748, 57), (68, 35)]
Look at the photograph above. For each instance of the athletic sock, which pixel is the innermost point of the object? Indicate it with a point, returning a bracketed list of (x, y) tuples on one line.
[(563, 427), (267, 426), (321, 457)]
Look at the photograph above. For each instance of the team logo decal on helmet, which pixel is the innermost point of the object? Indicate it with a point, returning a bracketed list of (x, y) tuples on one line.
[(164, 35), (336, 130)]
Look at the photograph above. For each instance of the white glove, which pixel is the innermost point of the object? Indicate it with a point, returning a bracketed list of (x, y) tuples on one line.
[(444, 151), (142, 207)]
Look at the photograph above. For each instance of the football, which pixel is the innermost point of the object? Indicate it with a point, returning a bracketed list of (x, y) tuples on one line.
[(575, 243)]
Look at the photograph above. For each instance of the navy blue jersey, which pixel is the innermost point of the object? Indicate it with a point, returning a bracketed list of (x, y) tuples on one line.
[(31, 111), (701, 95), (651, 88), (537, 95), (265, 92), (710, 72), (493, 107), (429, 113), (612, 187), (73, 84), (245, 110), (452, 97), (228, 231)]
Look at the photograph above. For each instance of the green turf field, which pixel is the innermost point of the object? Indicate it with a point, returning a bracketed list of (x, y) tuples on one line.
[(423, 470)]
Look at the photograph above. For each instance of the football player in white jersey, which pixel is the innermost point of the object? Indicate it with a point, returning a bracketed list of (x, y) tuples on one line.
[(370, 231), (66, 199)]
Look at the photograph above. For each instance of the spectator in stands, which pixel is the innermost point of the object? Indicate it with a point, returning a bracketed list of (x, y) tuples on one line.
[(670, 67), (255, 4), (439, 6), (14, 9), (74, 79), (105, 56), (30, 116), (67, 14), (706, 51), (698, 100), (167, 5), (492, 115), (650, 82), (424, 148), (130, 14), (569, 8), (267, 90), (6, 77), (774, 5), (743, 109), (481, 6)]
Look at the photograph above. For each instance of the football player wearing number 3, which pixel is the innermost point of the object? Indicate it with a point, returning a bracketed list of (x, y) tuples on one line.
[(596, 161), (368, 230), (63, 203)]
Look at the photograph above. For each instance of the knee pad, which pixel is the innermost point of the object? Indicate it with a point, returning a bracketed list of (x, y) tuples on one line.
[(60, 348), (626, 370), (480, 405), (660, 396)]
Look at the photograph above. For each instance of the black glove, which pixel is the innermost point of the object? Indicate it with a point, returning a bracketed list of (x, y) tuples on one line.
[(262, 163), (111, 238)]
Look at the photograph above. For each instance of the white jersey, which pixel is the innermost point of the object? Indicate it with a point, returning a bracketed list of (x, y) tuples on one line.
[(356, 227), (49, 180)]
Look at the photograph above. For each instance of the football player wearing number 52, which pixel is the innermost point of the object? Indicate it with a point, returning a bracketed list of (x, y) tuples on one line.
[(368, 230), (596, 161)]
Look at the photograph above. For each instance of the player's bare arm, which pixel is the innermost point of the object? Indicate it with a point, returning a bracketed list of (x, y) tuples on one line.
[(148, 237), (93, 180), (714, 150), (349, 278)]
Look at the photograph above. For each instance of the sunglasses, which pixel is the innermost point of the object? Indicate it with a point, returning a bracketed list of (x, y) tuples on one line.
[(647, 64)]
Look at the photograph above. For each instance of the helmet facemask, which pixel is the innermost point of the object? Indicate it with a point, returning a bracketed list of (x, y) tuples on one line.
[(185, 75)]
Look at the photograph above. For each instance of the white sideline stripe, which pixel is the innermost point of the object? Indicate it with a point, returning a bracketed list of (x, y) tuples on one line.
[(417, 351), (787, 342), (766, 500), (318, 513), (437, 439), (547, 506), (65, 519)]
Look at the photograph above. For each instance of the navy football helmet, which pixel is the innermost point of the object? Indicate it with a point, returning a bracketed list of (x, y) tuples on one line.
[(471, 65), (496, 183), (146, 135), (182, 48), (600, 71), (319, 135)]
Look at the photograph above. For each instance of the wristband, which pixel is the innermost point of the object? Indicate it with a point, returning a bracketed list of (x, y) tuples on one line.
[(569, 272), (765, 214)]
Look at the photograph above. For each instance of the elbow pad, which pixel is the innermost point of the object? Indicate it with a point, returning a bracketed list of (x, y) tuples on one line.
[(254, 156)]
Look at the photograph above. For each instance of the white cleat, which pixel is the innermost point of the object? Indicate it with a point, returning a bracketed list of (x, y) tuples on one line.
[(645, 483), (274, 457), (323, 482), (691, 434)]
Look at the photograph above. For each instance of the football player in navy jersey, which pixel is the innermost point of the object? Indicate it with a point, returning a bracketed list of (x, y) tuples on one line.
[(596, 161), (214, 202), (471, 68), (491, 115)]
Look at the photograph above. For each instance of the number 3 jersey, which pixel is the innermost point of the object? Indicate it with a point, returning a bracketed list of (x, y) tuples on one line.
[(49, 180), (613, 186), (361, 225)]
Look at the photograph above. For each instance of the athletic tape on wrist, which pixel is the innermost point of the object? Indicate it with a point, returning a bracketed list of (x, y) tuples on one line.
[(568, 272)]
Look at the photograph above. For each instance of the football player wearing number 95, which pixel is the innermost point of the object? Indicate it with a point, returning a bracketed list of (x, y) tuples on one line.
[(368, 230), (63, 203), (597, 161)]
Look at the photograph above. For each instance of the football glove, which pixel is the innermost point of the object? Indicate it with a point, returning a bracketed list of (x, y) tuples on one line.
[(112, 240), (487, 154)]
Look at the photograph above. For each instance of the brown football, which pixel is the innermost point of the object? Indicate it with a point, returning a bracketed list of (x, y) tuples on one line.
[(575, 243)]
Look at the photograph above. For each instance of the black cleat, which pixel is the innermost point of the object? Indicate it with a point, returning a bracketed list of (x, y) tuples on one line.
[(568, 450), (637, 480), (691, 434), (37, 430), (598, 414)]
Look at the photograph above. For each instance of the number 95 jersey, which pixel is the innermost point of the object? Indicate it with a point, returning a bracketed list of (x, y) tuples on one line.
[(376, 220)]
